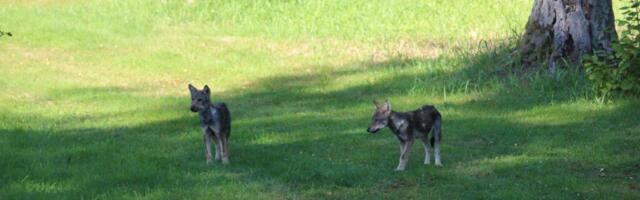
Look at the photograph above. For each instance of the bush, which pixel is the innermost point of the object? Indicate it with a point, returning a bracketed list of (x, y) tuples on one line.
[(619, 72)]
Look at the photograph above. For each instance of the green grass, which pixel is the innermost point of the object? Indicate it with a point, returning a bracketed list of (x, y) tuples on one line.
[(94, 103)]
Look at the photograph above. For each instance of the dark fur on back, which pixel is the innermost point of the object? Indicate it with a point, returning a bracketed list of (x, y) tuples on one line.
[(221, 119), (424, 120)]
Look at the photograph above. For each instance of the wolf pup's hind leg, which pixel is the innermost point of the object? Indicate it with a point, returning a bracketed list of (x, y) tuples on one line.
[(224, 149), (427, 150), (437, 138), (218, 151)]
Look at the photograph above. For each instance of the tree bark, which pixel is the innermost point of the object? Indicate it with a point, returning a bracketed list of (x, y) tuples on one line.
[(566, 30)]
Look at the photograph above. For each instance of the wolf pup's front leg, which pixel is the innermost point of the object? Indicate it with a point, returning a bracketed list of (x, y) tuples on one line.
[(405, 150), (207, 146)]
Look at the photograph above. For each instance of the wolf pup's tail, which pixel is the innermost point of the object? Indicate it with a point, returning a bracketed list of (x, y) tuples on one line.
[(436, 135), (225, 116)]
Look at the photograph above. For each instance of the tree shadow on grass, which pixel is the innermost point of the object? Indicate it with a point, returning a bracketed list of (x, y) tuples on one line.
[(294, 138), (486, 136)]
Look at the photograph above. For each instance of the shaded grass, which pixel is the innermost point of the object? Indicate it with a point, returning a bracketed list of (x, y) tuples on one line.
[(95, 104)]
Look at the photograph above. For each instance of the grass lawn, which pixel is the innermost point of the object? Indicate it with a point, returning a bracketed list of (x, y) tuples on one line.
[(95, 103)]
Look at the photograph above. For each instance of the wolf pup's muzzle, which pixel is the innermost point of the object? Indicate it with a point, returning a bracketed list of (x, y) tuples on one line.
[(194, 109), (373, 130)]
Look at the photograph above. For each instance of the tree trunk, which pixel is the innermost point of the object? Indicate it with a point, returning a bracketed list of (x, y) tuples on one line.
[(567, 29)]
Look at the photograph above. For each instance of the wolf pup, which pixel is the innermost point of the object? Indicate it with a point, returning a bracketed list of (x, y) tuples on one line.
[(407, 126), (215, 122)]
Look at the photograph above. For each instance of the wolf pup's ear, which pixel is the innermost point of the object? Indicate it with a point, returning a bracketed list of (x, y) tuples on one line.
[(192, 89), (206, 89), (387, 105)]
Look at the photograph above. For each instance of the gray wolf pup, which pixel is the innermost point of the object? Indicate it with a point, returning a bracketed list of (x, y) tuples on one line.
[(215, 121), (407, 126)]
